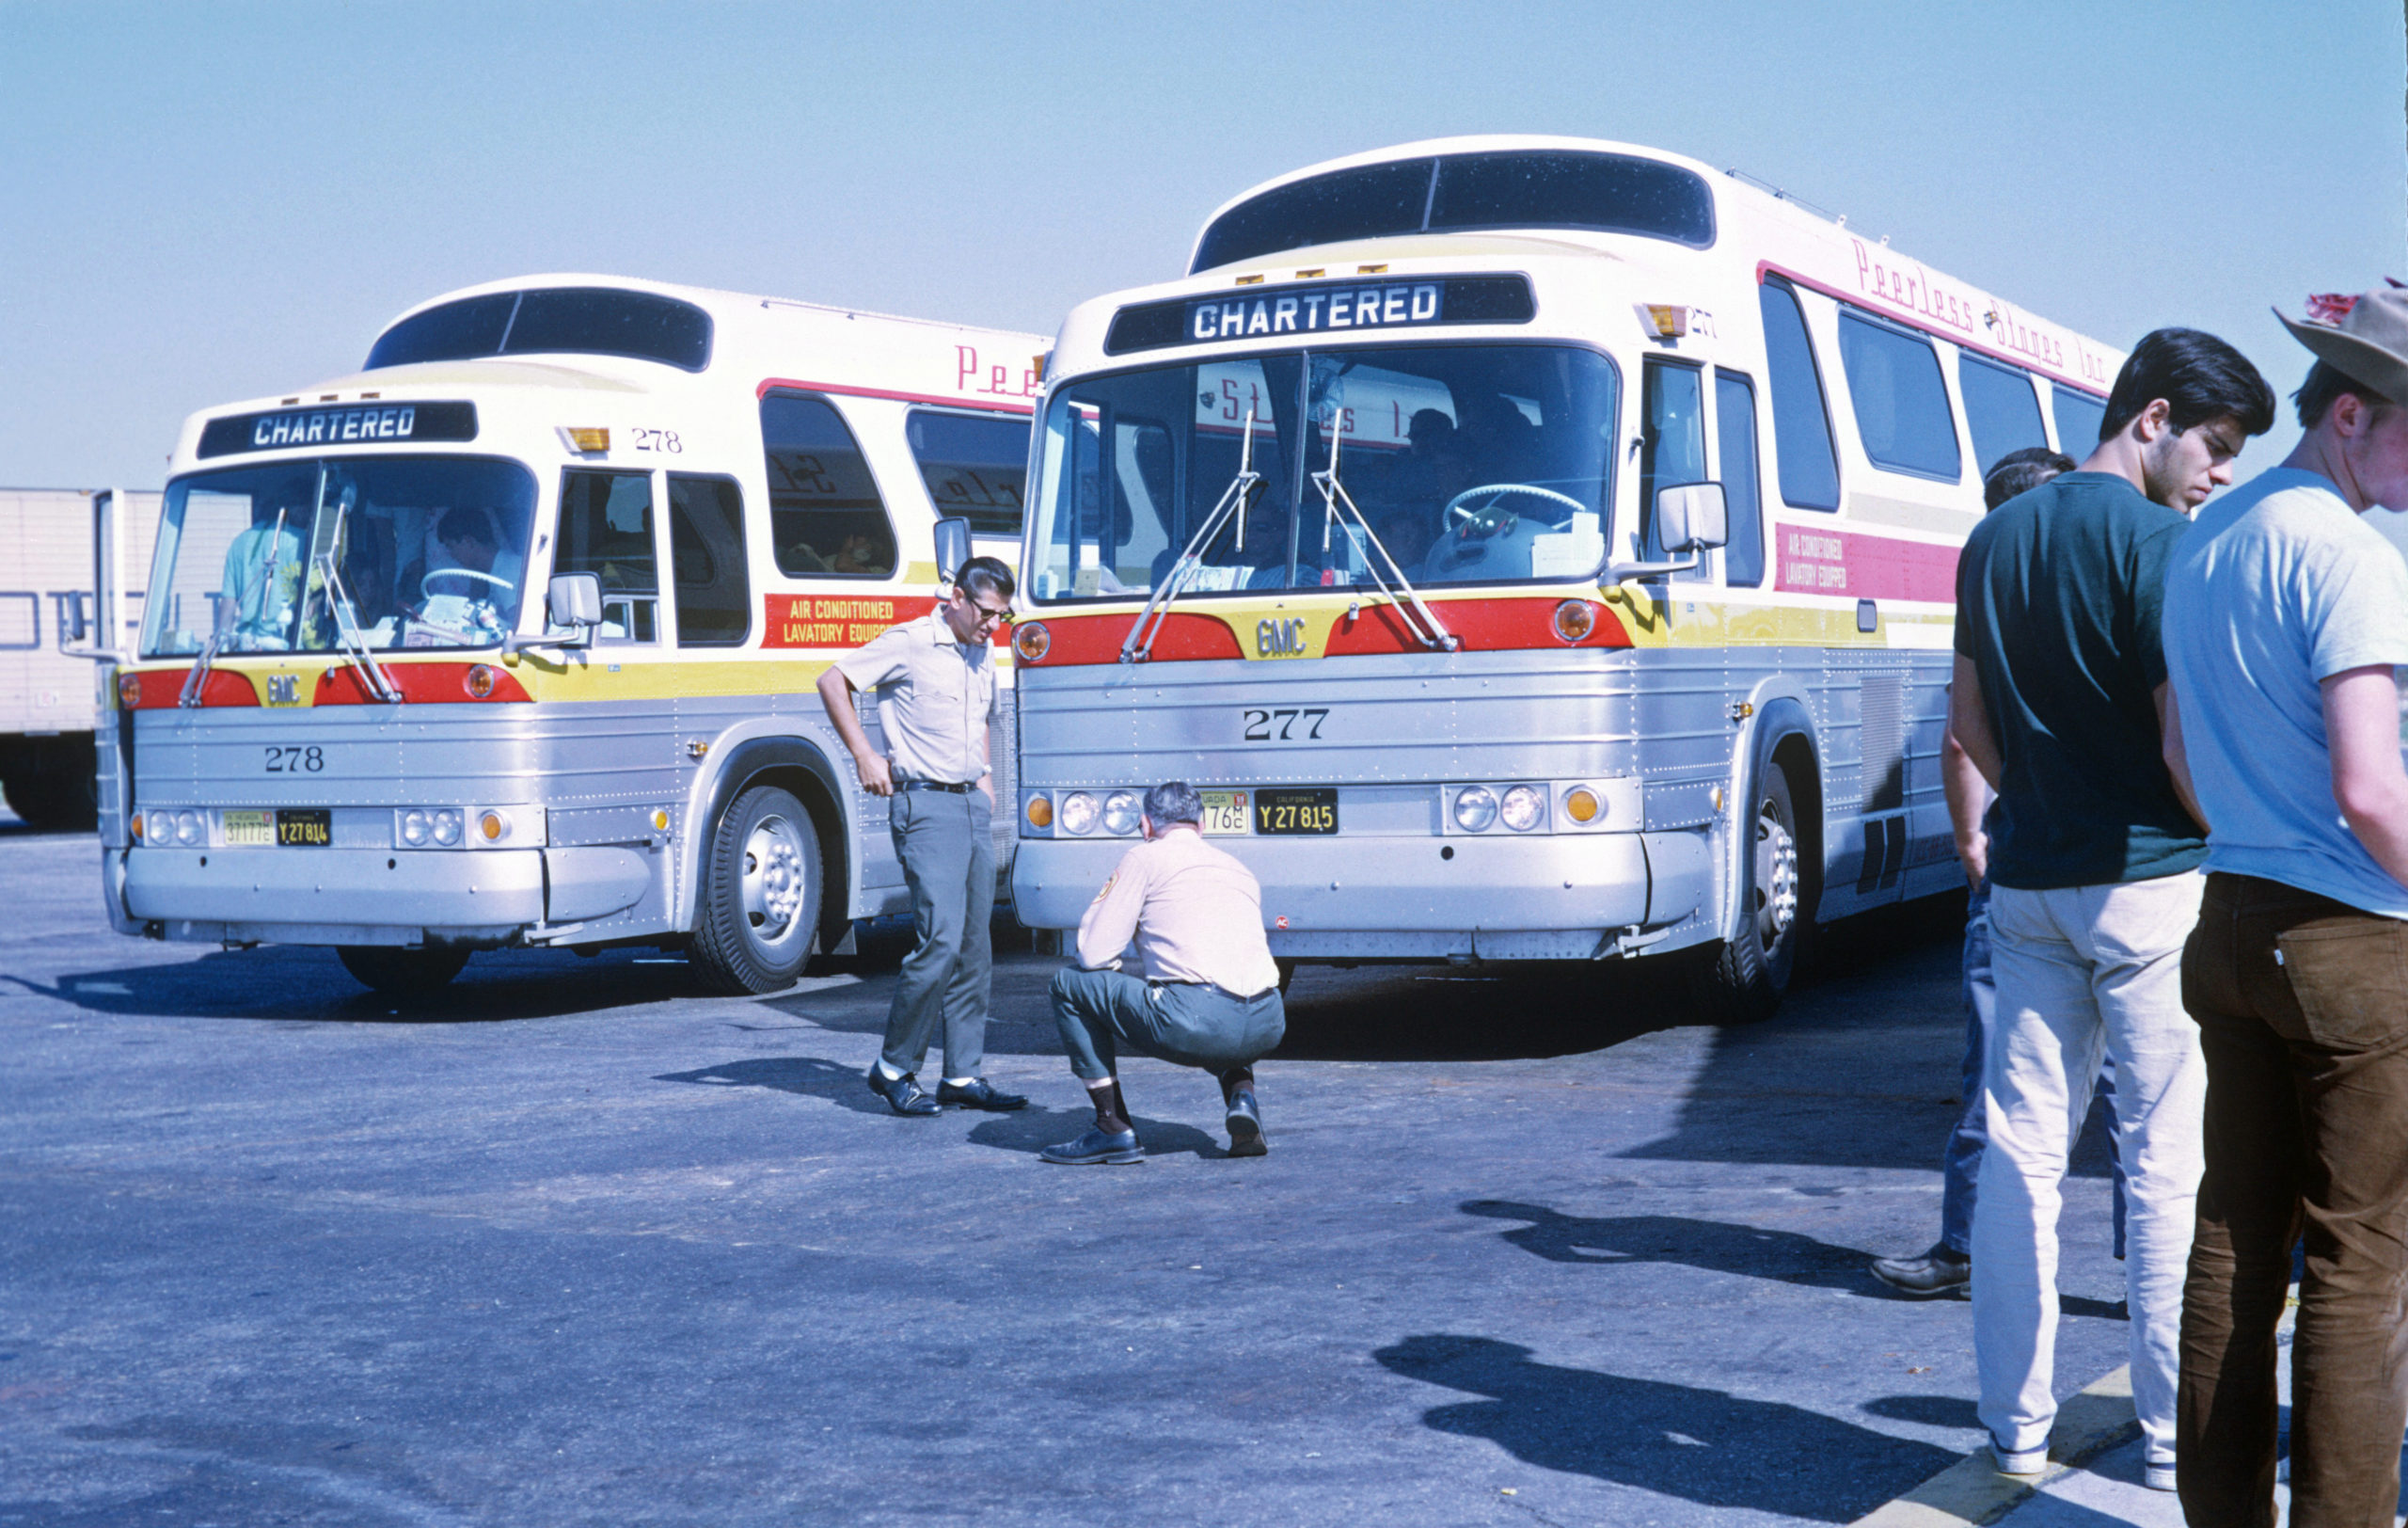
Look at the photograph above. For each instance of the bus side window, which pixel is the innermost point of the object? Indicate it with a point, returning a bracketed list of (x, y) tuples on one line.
[(826, 518), (706, 557), (975, 465), (1671, 446), (1734, 439), (1902, 413), (1801, 422), (2079, 417), (606, 528), (2000, 409)]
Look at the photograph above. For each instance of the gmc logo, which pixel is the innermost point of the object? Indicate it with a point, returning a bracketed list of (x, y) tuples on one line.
[(284, 690), (1279, 639)]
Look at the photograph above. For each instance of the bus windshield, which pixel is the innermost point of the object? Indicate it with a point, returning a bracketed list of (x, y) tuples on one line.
[(428, 551), (1472, 463)]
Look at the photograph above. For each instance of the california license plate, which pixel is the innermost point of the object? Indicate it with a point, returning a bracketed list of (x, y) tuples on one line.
[(1225, 812), (1303, 810), (248, 828), (305, 827)]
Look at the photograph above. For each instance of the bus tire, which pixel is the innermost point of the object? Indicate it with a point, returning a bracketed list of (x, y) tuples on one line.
[(54, 800), (402, 973), (760, 894), (1744, 982)]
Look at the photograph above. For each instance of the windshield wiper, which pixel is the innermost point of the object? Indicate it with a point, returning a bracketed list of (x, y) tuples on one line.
[(1237, 498), (352, 646), (1423, 621)]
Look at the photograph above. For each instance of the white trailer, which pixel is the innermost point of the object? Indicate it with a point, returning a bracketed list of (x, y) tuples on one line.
[(61, 550)]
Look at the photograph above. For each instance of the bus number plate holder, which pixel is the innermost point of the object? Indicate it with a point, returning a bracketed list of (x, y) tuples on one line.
[(1299, 810), (305, 827), (1226, 813)]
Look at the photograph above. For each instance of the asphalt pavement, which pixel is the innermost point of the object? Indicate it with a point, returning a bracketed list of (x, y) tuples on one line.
[(578, 1246)]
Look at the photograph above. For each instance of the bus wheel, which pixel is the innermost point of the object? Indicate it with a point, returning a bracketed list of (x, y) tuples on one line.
[(402, 973), (1745, 980), (54, 800), (760, 898)]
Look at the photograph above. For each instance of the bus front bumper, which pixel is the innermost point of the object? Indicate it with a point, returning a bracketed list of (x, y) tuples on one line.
[(1483, 896), (334, 896)]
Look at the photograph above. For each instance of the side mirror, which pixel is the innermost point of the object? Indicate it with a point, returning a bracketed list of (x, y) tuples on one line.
[(953, 548), (575, 599), (1692, 516)]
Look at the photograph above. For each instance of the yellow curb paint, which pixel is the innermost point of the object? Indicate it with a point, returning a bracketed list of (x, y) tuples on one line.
[(1973, 1492)]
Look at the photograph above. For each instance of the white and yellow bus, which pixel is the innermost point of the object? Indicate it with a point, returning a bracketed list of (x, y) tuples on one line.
[(510, 638), (1537, 548)]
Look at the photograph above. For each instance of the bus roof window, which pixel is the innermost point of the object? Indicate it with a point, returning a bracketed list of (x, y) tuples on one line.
[(588, 321), (1518, 188)]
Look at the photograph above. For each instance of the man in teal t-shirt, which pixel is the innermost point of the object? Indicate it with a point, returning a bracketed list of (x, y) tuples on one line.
[(2058, 699)]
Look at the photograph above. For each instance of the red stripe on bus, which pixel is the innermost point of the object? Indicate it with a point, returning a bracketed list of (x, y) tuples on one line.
[(426, 684), (1484, 625), (1963, 340), (1810, 560), (1097, 639), (163, 689), (775, 383)]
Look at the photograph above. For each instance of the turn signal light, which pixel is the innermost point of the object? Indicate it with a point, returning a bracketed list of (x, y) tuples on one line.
[(1031, 641), (660, 820), (1670, 322), (493, 827), (480, 682), (129, 690), (587, 438), (1581, 804), (1041, 811), (1575, 619)]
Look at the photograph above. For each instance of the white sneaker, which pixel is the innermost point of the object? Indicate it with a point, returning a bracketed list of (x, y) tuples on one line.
[(2157, 1478), (2031, 1461)]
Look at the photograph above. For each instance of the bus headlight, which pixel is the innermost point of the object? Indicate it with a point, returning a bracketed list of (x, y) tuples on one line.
[(1581, 804), (1523, 808), (1078, 813), (191, 828), (447, 826), (1475, 808), (1121, 813), (417, 828), (1031, 641)]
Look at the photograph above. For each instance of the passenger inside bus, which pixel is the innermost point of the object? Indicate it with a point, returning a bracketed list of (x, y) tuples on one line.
[(263, 578)]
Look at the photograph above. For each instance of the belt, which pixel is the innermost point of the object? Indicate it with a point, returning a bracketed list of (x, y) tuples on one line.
[(948, 787), (1214, 986)]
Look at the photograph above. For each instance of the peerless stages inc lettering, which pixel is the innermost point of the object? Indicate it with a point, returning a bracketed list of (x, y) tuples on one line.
[(339, 424)]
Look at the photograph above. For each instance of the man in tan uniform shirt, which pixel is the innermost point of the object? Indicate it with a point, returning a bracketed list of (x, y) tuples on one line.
[(1209, 995)]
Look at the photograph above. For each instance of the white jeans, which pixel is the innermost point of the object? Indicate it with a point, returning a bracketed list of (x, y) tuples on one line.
[(2078, 969)]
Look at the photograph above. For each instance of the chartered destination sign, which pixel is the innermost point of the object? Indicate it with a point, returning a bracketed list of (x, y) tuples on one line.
[(336, 425), (1322, 308)]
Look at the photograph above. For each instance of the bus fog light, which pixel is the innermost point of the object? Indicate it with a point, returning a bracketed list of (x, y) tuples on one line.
[(447, 826), (493, 827), (1078, 813), (1032, 642), (1523, 808), (1581, 804), (1038, 813), (1475, 808), (1121, 813), (1575, 619), (417, 828)]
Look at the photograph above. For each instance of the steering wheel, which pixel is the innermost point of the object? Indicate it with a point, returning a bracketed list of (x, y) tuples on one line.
[(1498, 491), (434, 573)]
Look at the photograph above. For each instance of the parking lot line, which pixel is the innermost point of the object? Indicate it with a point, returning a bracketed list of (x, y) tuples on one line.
[(1973, 1492)]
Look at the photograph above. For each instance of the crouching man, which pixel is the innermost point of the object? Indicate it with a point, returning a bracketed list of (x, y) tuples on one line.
[(1209, 996)]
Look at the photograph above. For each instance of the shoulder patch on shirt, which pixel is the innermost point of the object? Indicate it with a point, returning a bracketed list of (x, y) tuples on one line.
[(1108, 882)]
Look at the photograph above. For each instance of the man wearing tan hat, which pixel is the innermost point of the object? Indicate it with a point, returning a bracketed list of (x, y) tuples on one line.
[(2284, 616)]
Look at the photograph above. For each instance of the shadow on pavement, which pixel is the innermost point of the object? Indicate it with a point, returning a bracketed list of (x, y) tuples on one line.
[(1928, 1411), (1700, 1445), (1495, 1013), (1715, 1245)]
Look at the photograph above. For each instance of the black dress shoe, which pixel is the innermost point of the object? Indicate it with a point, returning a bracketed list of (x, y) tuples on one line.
[(902, 1094), (1095, 1147), (1245, 1125), (978, 1094)]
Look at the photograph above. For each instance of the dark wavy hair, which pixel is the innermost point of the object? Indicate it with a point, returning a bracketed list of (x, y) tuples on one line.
[(2200, 377)]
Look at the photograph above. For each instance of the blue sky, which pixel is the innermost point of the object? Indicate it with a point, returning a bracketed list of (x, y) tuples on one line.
[(199, 203)]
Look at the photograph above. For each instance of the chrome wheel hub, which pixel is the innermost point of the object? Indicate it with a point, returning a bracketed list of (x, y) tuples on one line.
[(774, 879), (1776, 877)]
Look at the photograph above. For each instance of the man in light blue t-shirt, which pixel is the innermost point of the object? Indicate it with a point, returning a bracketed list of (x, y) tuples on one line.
[(2284, 616)]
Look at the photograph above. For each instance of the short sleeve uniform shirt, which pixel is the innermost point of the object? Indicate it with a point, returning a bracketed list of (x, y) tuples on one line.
[(936, 698), (2278, 588), (2059, 596)]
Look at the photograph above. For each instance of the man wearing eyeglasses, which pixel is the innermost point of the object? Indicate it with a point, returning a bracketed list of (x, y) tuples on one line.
[(936, 685)]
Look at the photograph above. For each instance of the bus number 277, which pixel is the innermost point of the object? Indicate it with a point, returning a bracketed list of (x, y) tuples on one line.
[(1286, 726)]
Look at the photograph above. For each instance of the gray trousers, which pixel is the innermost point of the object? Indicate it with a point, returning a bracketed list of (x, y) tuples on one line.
[(1188, 1026), (947, 847)]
